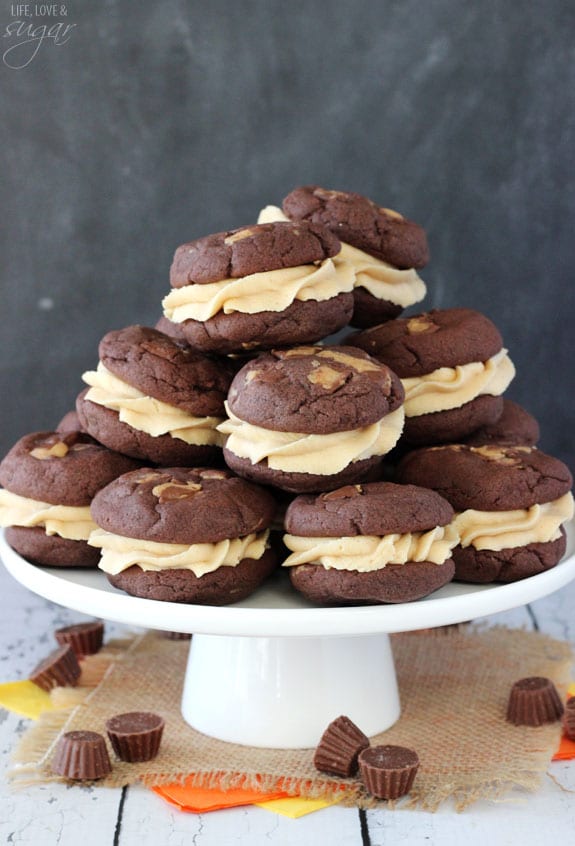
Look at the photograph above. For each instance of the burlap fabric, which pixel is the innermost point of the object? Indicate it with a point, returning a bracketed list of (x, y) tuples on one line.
[(454, 685)]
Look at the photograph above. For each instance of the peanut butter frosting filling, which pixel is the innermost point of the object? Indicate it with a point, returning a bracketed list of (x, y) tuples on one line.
[(272, 290), (119, 553), (382, 280), (452, 387), (272, 214), (497, 530), (66, 521), (366, 553), (321, 455), (148, 414)]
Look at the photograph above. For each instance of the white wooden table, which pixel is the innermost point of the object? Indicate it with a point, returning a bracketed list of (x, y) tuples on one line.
[(69, 816)]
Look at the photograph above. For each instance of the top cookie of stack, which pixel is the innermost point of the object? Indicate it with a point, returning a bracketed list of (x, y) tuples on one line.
[(258, 287)]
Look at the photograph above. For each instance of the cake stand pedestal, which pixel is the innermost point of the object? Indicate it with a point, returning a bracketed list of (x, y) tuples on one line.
[(273, 670), (282, 692)]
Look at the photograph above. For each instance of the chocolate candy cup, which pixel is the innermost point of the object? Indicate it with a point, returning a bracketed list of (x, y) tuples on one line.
[(533, 701), (81, 755), (569, 718), (59, 669), (388, 771), (84, 638), (340, 744), (136, 735)]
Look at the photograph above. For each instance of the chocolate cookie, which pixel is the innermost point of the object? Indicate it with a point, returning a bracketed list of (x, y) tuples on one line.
[(70, 422), (515, 427), (173, 330), (511, 501), (258, 287), (258, 248), (453, 368), (383, 247), (49, 480), (367, 544), (154, 398), (184, 535), (359, 221), (311, 418)]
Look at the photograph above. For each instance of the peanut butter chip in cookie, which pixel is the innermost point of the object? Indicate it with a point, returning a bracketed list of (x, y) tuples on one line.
[(327, 377), (344, 493), (56, 450), (501, 456), (170, 491), (148, 477), (421, 323), (238, 236), (296, 352), (213, 474), (361, 365)]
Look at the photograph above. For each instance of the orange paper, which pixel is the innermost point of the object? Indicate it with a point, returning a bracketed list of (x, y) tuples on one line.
[(198, 800), (566, 749)]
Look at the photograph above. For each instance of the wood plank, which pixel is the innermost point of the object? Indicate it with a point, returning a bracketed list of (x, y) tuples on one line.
[(554, 613), (55, 813), (147, 820), (49, 813)]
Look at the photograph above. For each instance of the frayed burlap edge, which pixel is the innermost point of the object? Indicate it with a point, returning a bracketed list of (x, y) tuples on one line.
[(553, 658)]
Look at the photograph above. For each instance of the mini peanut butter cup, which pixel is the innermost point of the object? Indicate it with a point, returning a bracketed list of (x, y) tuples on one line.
[(59, 669), (82, 756), (84, 638), (340, 744), (534, 701), (136, 735), (388, 772), (569, 718)]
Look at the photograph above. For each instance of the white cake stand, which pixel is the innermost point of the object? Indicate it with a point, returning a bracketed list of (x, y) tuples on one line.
[(273, 670)]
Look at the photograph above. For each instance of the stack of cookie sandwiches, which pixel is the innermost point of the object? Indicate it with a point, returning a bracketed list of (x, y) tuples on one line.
[(238, 435)]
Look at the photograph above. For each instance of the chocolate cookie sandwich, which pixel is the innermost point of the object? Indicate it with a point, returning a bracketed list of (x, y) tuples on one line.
[(48, 482), (259, 287), (453, 367), (382, 246), (367, 544), (515, 427), (184, 535), (155, 398), (174, 330), (511, 504), (311, 418)]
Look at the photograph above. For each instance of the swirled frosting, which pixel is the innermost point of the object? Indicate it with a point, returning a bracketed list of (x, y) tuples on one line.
[(148, 414)]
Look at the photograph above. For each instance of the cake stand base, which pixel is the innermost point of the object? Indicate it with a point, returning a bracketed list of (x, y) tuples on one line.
[(280, 692)]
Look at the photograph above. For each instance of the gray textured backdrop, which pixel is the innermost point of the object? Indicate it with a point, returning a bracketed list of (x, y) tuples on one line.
[(150, 123)]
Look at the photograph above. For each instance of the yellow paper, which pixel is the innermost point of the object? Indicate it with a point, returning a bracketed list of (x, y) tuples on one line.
[(571, 690), (25, 698), (295, 806)]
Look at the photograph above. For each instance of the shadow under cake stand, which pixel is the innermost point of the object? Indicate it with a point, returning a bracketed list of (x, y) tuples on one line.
[(273, 670)]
